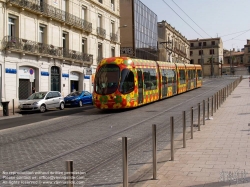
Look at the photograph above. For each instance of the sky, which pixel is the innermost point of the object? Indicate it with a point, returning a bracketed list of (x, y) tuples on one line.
[(228, 19)]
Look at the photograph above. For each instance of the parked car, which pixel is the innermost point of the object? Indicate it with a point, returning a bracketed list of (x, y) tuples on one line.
[(78, 98), (42, 101)]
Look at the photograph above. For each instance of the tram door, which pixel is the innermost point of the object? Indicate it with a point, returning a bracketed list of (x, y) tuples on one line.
[(164, 83), (140, 86)]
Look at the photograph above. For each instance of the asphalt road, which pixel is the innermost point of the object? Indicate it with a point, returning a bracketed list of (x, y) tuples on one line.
[(92, 138)]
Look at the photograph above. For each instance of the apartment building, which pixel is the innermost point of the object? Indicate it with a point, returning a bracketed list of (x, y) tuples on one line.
[(138, 30), (209, 53), (54, 44), (173, 46)]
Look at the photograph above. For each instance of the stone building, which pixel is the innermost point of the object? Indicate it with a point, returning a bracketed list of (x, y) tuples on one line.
[(54, 45), (209, 53), (173, 46)]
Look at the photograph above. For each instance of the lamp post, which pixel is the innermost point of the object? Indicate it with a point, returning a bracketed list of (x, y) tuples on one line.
[(202, 64)]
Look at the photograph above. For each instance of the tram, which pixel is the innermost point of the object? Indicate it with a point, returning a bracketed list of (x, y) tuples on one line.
[(123, 82)]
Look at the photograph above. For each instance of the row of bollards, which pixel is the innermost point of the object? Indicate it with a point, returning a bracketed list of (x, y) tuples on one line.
[(216, 101)]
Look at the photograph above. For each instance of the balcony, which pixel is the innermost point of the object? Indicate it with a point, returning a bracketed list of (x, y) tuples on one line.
[(40, 49), (52, 12), (101, 32), (113, 37)]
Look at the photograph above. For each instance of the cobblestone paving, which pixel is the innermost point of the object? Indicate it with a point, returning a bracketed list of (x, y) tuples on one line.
[(93, 138)]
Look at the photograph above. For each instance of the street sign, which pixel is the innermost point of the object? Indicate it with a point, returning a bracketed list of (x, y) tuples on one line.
[(31, 75), (88, 71)]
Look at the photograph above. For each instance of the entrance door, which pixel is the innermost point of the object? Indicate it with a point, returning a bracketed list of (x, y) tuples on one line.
[(74, 86), (55, 79), (140, 86)]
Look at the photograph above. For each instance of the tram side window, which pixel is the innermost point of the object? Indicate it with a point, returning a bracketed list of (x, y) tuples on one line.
[(189, 74), (127, 81), (150, 82), (164, 77), (171, 76), (182, 77), (199, 74)]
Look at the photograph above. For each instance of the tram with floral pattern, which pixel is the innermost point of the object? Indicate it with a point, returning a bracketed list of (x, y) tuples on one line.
[(123, 82)]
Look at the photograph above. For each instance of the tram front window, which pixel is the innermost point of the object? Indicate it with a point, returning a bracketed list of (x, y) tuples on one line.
[(106, 79), (127, 81)]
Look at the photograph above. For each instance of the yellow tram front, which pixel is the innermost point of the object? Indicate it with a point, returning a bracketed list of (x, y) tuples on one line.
[(115, 84)]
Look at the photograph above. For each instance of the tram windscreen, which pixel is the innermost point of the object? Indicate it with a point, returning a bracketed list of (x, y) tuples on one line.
[(107, 79)]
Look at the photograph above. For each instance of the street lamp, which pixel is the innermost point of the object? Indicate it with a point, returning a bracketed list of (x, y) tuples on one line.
[(202, 64)]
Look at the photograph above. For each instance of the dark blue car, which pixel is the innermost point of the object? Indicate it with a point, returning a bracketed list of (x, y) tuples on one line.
[(78, 98)]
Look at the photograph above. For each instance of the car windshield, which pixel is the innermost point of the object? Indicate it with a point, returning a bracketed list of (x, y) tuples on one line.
[(37, 95), (75, 94)]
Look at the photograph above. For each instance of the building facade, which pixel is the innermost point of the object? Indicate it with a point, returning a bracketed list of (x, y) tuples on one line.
[(54, 45), (139, 37), (208, 53), (173, 46)]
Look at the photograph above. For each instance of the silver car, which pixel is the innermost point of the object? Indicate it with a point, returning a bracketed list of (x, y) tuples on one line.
[(42, 101)]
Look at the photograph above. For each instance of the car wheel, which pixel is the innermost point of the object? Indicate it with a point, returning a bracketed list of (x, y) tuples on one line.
[(80, 103), (61, 106), (42, 108)]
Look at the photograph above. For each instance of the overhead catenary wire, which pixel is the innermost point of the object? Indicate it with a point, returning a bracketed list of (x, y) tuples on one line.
[(181, 18), (191, 18), (238, 35)]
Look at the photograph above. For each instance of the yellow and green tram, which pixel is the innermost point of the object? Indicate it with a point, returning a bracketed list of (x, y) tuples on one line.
[(123, 82)]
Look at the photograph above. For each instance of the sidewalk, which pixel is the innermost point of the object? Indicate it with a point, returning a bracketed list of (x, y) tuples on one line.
[(11, 115), (219, 154)]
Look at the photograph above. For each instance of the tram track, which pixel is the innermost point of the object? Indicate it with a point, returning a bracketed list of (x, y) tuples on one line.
[(115, 156)]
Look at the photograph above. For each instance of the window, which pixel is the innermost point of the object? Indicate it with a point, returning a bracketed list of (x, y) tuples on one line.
[(113, 5), (204, 44), (150, 82), (42, 30), (182, 77), (191, 53), (199, 72), (112, 51), (213, 42), (84, 45), (192, 44), (64, 38), (249, 49), (107, 79), (112, 27), (200, 52), (84, 13), (99, 20), (200, 44), (100, 1), (127, 81), (100, 51), (11, 27), (211, 51), (191, 61)]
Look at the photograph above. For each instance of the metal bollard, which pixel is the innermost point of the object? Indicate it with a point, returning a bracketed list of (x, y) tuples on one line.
[(125, 160), (215, 100), (203, 112), (212, 106), (69, 170), (154, 152), (172, 137), (192, 122), (199, 116), (208, 108), (13, 105), (184, 128)]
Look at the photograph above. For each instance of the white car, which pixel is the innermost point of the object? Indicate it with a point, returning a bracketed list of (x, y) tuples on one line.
[(42, 101)]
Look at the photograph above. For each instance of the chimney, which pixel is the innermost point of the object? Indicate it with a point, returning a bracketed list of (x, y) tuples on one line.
[(248, 42), (233, 49)]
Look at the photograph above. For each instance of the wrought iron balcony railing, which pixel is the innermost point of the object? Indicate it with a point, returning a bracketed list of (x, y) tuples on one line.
[(41, 49), (101, 32), (113, 37), (53, 12)]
